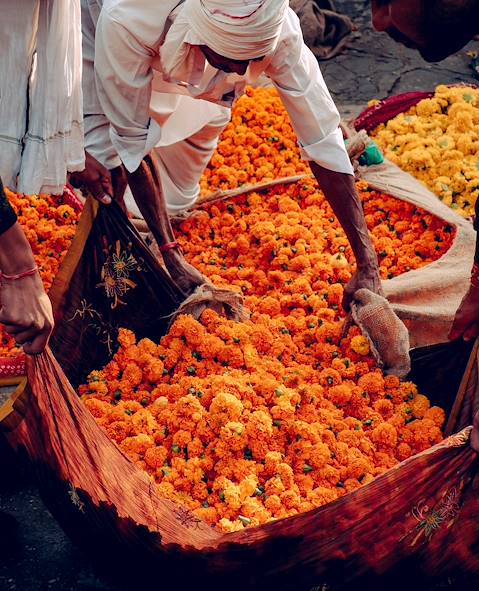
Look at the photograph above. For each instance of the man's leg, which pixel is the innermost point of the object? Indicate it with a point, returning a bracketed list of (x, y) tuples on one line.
[(173, 180), (182, 164)]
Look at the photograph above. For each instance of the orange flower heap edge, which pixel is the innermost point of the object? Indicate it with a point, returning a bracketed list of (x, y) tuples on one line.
[(242, 437), (245, 423), (259, 144)]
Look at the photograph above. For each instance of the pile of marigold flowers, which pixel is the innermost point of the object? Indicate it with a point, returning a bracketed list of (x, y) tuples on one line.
[(49, 226), (249, 422), (258, 145), (437, 141)]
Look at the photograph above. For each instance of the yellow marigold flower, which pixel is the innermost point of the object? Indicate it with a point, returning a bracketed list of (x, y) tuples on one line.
[(360, 345), (224, 408), (437, 138)]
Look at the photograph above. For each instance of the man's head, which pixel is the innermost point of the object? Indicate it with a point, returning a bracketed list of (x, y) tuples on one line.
[(228, 33), (226, 64), (436, 28), (236, 32)]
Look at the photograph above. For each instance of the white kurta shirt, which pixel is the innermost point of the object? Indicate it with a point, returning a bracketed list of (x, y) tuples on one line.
[(129, 35), (41, 127)]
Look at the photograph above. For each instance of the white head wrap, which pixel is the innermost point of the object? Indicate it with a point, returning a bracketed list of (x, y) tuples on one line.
[(235, 29)]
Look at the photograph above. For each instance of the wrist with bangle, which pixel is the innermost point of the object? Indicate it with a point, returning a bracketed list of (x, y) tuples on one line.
[(164, 248)]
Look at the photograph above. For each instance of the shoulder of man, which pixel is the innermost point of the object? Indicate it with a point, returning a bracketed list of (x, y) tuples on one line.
[(145, 19), (290, 42)]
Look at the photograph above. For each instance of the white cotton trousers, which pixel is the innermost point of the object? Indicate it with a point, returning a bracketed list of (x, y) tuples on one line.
[(181, 165), (183, 161), (41, 129)]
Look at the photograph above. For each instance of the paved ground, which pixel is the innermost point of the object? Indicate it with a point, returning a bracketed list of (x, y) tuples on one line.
[(35, 555), (374, 66)]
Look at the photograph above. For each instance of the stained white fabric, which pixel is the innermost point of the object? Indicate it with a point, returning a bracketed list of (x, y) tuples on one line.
[(145, 110), (234, 29), (41, 129), (97, 126)]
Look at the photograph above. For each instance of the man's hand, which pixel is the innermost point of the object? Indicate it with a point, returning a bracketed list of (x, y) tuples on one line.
[(26, 312), (363, 278), (186, 277), (466, 321), (95, 178), (25, 309), (340, 191)]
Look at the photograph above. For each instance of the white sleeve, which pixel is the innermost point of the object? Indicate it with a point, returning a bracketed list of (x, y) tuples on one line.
[(97, 126), (123, 81), (314, 116)]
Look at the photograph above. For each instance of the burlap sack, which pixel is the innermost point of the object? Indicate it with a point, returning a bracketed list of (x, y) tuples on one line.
[(325, 31), (426, 299), (387, 335)]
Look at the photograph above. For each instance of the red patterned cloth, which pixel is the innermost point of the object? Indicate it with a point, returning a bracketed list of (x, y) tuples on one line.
[(387, 109)]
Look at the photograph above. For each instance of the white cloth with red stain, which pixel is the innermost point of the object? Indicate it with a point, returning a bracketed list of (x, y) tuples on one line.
[(41, 128), (130, 106)]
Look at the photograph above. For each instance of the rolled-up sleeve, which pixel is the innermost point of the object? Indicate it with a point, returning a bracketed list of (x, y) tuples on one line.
[(295, 73), (96, 124), (123, 80)]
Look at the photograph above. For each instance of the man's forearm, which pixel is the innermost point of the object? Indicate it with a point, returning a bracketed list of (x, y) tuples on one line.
[(15, 251), (340, 191), (145, 184)]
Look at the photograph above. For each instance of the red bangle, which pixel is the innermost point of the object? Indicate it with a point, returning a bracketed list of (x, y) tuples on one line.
[(28, 273), (475, 275), (169, 246)]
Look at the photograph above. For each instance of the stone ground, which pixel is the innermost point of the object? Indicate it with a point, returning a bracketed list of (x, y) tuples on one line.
[(35, 555), (374, 66)]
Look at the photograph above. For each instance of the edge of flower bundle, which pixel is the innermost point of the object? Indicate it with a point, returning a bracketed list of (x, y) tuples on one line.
[(249, 188), (454, 415), (384, 110), (229, 194), (12, 367)]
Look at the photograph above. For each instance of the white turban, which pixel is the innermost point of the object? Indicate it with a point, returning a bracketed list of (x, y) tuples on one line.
[(235, 29)]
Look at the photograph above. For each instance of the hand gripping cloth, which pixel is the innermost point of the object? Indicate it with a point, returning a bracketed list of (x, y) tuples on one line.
[(387, 335)]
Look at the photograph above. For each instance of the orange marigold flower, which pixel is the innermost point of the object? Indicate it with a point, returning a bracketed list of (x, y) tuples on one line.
[(126, 338), (436, 415), (385, 435), (360, 345)]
